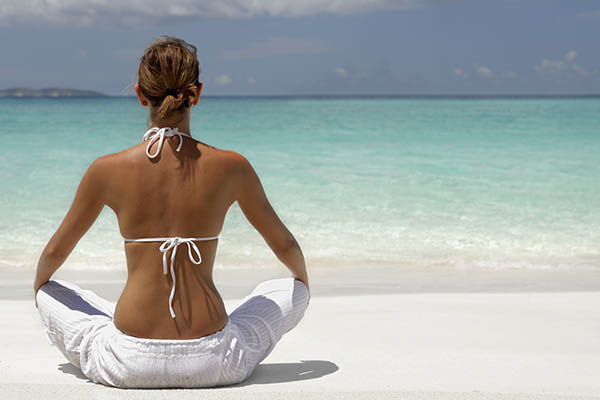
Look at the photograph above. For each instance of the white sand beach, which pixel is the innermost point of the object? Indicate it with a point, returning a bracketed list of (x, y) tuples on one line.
[(410, 334)]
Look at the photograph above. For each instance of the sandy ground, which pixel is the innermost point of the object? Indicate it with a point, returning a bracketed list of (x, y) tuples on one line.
[(389, 333)]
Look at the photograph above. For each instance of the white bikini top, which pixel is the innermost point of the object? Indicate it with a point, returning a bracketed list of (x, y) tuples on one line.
[(170, 243)]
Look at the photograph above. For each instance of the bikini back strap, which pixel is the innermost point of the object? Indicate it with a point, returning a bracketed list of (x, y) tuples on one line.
[(171, 244)]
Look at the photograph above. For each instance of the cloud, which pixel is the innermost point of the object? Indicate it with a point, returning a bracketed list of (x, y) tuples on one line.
[(341, 72), (459, 72), (565, 66), (275, 46), (93, 12), (223, 79), (484, 71), (251, 80)]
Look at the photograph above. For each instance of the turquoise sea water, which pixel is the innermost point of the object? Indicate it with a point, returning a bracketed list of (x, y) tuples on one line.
[(484, 183)]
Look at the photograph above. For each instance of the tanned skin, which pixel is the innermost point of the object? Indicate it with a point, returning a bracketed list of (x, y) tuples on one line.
[(185, 194)]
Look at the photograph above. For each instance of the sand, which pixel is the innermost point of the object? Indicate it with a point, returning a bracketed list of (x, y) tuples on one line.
[(390, 333)]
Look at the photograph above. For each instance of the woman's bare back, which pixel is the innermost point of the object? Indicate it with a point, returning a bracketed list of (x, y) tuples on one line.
[(185, 194), (176, 194)]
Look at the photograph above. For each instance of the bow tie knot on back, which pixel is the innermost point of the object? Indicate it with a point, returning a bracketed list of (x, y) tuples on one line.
[(171, 244)]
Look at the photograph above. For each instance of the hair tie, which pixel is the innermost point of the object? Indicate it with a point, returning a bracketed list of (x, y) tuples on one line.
[(171, 92)]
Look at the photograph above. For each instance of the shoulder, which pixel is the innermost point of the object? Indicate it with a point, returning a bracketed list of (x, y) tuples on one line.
[(240, 173), (102, 165), (99, 167), (235, 162), (95, 178), (115, 161), (104, 168)]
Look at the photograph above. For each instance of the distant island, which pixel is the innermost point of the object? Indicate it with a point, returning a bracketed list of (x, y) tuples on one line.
[(49, 92)]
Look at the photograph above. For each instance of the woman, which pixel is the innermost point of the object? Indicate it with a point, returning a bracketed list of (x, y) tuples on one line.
[(169, 328)]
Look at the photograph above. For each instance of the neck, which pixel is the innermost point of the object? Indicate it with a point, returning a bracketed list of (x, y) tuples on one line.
[(182, 124)]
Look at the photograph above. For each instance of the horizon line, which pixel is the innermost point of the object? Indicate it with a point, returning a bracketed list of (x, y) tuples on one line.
[(355, 95)]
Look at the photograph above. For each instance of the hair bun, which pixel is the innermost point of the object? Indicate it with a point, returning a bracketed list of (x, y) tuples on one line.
[(168, 75), (171, 92)]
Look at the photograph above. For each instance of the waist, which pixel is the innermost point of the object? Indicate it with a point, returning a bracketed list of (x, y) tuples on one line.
[(143, 312), (214, 338)]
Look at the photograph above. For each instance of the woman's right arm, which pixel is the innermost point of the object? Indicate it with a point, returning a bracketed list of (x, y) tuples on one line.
[(86, 206), (257, 209)]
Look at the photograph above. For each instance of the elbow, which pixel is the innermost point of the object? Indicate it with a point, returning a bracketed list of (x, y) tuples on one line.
[(290, 244), (54, 254), (285, 246)]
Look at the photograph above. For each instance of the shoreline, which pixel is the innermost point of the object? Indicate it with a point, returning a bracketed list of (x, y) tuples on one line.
[(16, 283)]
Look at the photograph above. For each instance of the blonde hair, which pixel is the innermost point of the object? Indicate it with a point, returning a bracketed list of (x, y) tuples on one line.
[(168, 75)]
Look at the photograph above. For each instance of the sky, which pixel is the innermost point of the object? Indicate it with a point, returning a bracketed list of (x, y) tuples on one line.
[(311, 47)]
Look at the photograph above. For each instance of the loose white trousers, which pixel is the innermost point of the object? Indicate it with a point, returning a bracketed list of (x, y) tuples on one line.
[(80, 324)]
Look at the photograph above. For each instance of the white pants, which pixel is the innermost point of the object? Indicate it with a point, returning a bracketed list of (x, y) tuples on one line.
[(80, 324)]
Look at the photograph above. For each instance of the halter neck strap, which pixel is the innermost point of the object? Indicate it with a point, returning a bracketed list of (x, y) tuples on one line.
[(159, 134)]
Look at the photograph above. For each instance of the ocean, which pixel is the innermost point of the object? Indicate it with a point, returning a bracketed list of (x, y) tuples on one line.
[(488, 183)]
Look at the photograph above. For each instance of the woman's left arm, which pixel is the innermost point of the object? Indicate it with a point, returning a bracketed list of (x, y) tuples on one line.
[(87, 204)]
